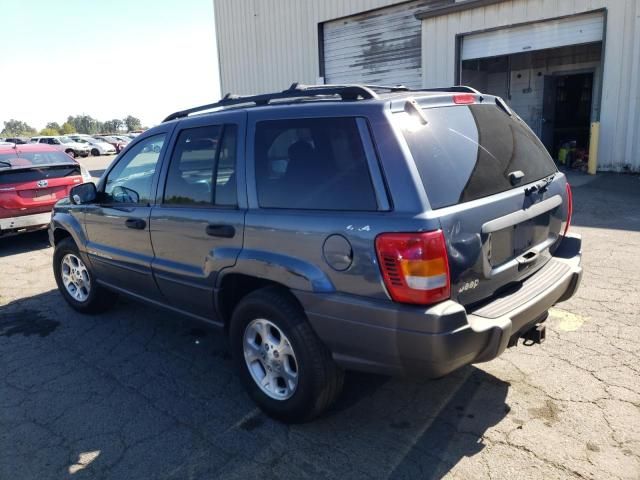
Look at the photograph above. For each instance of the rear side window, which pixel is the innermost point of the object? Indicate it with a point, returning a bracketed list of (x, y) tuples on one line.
[(202, 169), (316, 164), (467, 152)]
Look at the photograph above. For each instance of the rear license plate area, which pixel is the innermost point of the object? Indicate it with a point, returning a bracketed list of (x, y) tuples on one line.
[(511, 242)]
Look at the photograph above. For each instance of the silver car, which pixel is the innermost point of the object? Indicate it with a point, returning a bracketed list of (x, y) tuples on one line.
[(97, 147)]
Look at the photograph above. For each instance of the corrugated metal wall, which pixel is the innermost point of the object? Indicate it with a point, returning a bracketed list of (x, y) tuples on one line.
[(380, 47), (267, 44), (620, 109)]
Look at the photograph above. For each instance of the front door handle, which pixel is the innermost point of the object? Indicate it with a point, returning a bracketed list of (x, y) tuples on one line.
[(224, 231), (136, 223)]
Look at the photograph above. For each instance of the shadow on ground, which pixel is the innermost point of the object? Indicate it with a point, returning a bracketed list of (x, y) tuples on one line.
[(607, 200), (24, 242), (139, 393)]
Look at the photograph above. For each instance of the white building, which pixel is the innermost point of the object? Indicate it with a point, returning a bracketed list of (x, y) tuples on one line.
[(561, 64)]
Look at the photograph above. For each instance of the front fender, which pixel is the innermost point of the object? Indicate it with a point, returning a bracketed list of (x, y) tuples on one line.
[(69, 222), (289, 271)]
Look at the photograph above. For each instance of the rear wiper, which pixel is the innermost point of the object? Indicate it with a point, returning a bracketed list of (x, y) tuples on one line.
[(541, 186), (2, 162)]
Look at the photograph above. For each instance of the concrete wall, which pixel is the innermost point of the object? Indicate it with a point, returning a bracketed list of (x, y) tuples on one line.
[(620, 108)]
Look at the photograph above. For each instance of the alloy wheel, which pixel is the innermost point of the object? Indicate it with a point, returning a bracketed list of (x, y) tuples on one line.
[(270, 358), (75, 277)]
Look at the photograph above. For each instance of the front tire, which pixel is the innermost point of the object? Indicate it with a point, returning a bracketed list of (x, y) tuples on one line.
[(71, 153), (282, 363), (95, 152), (76, 282)]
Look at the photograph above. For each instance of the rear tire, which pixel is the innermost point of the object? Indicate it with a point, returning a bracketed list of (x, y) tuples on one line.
[(76, 282), (317, 381)]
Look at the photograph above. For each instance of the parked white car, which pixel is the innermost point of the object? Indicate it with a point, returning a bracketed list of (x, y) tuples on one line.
[(98, 147), (65, 143)]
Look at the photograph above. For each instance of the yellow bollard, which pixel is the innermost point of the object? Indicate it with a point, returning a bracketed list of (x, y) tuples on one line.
[(593, 148)]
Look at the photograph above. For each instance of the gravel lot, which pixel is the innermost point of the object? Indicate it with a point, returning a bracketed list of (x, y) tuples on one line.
[(139, 393)]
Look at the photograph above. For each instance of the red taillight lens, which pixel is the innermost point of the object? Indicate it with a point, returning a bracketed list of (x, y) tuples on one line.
[(569, 210), (464, 98), (414, 266)]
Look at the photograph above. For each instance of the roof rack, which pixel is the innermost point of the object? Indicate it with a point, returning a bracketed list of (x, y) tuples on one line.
[(402, 88), (390, 88), (296, 90), (455, 89)]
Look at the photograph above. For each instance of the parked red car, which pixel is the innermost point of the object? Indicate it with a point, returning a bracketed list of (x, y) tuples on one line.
[(33, 178)]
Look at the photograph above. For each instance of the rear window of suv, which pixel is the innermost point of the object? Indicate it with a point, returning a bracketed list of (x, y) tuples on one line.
[(467, 152)]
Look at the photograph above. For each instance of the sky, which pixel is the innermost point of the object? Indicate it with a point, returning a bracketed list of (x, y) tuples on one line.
[(105, 58)]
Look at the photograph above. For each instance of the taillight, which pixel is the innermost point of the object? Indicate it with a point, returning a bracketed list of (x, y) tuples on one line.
[(414, 266), (569, 210), (464, 98)]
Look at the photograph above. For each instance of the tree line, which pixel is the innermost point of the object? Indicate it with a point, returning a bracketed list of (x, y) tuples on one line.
[(74, 124)]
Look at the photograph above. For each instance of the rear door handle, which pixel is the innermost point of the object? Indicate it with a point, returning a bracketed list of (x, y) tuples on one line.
[(136, 223), (224, 231)]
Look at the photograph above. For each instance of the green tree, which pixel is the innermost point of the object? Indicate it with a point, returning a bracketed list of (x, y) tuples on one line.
[(49, 131), (52, 126), (112, 126), (67, 128), (84, 124), (132, 123), (17, 128)]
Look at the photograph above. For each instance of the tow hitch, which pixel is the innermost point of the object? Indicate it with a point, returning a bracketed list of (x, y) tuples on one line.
[(535, 335)]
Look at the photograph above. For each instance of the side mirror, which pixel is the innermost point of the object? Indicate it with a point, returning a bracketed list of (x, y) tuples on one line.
[(125, 195), (83, 193)]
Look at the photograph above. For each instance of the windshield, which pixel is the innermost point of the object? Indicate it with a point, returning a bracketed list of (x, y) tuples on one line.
[(31, 159), (467, 152), (65, 140)]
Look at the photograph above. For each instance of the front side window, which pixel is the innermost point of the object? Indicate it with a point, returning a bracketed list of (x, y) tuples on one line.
[(315, 163), (202, 169), (131, 180)]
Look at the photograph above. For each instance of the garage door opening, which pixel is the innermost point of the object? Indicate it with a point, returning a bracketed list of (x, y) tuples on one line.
[(556, 91), (566, 117)]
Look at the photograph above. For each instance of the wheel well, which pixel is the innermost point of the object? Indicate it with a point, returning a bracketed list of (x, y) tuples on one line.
[(60, 234), (235, 286)]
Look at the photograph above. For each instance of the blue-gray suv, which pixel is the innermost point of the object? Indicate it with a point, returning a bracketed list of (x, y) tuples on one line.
[(329, 227)]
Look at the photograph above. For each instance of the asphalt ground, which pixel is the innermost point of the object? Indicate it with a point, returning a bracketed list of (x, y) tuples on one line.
[(139, 393), (96, 165)]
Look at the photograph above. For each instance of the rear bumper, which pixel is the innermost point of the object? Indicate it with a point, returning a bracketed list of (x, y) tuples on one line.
[(24, 222), (388, 338)]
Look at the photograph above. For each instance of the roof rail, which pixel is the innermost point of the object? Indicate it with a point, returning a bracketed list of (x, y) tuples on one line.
[(296, 90), (455, 88), (390, 88)]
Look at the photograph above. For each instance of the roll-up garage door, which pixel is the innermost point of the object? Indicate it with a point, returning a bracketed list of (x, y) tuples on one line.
[(574, 30), (378, 47)]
